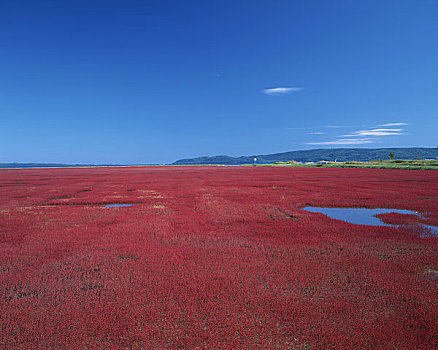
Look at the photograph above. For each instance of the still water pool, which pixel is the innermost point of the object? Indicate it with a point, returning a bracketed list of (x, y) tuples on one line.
[(118, 205), (364, 216)]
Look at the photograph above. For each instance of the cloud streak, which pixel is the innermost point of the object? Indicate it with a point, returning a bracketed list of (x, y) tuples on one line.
[(337, 126), (281, 90), (394, 124), (361, 137), (343, 142), (375, 132)]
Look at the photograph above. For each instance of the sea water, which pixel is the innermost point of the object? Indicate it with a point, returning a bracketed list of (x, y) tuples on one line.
[(364, 216)]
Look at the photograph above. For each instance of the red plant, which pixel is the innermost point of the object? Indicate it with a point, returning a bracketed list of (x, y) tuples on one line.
[(214, 257)]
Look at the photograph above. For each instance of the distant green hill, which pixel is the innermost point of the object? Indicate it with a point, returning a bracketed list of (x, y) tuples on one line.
[(315, 155)]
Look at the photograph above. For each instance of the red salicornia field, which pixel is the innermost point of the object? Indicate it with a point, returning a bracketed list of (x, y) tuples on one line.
[(215, 258)]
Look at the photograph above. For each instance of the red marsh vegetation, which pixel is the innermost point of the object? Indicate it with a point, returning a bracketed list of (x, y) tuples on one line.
[(215, 258)]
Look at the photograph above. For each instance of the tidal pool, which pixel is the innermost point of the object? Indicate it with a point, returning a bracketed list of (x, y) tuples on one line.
[(118, 205), (364, 216)]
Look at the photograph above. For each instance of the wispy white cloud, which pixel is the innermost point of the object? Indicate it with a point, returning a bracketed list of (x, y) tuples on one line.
[(375, 132), (360, 137), (337, 126), (394, 124), (281, 90), (343, 142)]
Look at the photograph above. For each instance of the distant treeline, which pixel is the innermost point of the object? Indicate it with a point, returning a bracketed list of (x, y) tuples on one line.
[(315, 155)]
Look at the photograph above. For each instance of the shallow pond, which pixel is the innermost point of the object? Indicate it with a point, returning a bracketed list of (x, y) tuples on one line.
[(364, 216), (118, 205)]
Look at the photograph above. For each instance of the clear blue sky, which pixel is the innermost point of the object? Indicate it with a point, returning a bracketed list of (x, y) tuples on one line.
[(156, 81)]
